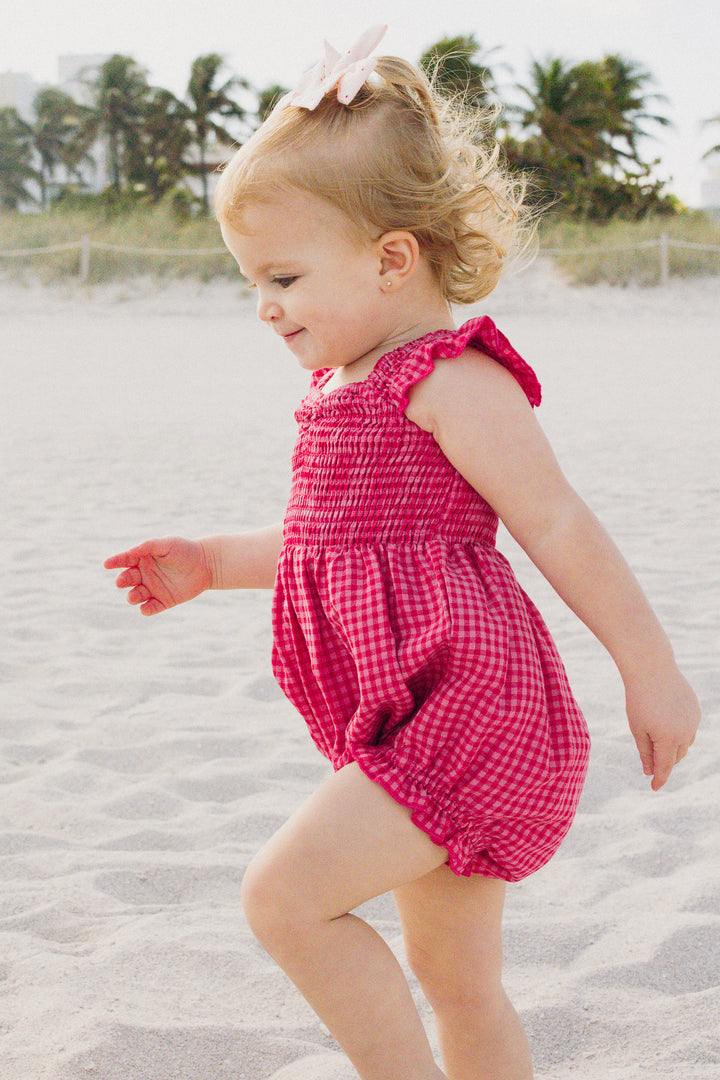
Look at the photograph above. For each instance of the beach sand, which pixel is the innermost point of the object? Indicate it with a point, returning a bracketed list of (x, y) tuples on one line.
[(143, 761)]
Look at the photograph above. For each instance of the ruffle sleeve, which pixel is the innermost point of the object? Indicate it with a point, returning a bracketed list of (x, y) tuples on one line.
[(481, 334)]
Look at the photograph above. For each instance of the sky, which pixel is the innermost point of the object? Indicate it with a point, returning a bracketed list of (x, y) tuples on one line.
[(273, 41)]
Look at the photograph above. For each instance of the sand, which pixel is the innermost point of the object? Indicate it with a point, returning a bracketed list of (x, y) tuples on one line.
[(143, 761)]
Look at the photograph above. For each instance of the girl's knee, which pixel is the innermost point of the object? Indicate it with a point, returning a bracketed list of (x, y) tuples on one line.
[(263, 898), (274, 908)]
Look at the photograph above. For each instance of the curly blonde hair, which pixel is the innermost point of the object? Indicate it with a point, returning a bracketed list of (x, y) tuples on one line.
[(399, 157)]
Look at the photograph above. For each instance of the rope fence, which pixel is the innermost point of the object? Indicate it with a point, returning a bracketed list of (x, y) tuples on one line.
[(85, 246), (664, 243)]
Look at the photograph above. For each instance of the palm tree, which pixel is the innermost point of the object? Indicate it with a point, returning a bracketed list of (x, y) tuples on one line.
[(461, 66), (713, 149), (208, 105), (580, 134), (627, 102), (121, 91), (267, 99), (16, 156), (59, 135), (159, 164), (565, 113), (77, 149)]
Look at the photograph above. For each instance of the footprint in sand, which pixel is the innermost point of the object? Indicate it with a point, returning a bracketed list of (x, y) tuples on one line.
[(263, 688), (317, 1067)]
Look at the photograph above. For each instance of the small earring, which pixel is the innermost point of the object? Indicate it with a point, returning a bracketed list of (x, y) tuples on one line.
[(389, 284)]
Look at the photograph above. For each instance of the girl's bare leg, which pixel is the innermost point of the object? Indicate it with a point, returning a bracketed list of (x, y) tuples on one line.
[(452, 936), (350, 842)]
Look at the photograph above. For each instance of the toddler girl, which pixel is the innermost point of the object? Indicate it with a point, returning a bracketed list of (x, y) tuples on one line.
[(360, 210)]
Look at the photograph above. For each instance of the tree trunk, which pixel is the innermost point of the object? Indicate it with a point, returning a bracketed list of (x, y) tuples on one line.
[(203, 175)]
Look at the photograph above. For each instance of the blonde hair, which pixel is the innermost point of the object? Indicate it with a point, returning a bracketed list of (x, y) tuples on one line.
[(399, 157)]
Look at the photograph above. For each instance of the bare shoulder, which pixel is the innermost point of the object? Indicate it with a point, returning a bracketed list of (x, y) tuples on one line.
[(469, 383), (480, 417)]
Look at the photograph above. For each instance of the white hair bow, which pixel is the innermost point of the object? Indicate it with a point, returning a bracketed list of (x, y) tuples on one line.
[(348, 72)]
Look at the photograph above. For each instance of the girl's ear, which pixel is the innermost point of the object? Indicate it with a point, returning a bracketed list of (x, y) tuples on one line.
[(399, 253)]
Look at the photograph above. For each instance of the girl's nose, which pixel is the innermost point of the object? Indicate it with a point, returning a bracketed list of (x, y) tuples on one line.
[(268, 309)]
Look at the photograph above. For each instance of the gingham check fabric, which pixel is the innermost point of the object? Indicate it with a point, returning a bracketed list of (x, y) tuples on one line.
[(401, 634)]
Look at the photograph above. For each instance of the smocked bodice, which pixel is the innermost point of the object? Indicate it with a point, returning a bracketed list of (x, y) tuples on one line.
[(363, 473)]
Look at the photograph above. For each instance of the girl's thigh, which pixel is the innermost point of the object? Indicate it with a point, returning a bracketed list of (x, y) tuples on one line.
[(348, 843), (452, 929)]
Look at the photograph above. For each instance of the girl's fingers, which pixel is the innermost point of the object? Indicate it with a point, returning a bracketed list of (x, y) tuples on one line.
[(132, 556), (128, 578), (152, 606), (125, 558), (658, 758), (665, 758), (645, 749)]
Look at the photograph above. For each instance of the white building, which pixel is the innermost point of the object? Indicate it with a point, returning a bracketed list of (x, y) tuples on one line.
[(18, 91), (710, 191), (74, 73)]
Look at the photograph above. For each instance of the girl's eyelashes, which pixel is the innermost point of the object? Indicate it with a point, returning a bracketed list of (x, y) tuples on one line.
[(284, 281)]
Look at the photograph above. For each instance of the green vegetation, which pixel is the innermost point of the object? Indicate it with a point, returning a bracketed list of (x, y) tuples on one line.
[(153, 140), (158, 228), (580, 137), (631, 250), (580, 132), (151, 229), (461, 67)]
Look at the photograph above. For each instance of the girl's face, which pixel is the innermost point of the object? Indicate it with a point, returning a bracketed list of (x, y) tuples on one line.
[(318, 282)]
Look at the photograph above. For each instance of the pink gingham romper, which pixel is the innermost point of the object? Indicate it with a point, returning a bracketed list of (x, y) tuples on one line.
[(401, 634)]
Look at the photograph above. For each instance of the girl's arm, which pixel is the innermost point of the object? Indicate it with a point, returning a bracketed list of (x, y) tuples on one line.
[(483, 422), (163, 573), (247, 561)]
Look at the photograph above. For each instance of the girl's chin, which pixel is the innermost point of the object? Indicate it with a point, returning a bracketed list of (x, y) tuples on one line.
[(306, 358)]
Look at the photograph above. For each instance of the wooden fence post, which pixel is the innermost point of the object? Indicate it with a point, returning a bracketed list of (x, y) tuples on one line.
[(664, 259), (84, 259)]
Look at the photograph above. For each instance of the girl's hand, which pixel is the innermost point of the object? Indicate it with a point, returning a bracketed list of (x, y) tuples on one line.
[(664, 715), (162, 573)]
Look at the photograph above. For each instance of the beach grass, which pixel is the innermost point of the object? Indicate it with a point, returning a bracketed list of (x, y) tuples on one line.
[(630, 252), (157, 241), (121, 245)]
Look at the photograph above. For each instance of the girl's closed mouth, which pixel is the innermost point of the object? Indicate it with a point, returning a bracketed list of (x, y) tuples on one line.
[(294, 333)]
